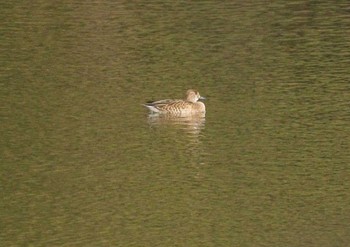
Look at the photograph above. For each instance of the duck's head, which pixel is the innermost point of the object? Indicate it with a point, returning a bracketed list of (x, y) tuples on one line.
[(193, 96)]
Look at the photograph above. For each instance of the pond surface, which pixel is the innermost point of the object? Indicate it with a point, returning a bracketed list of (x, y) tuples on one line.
[(83, 164)]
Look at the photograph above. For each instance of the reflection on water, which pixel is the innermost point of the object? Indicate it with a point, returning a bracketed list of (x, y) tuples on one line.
[(190, 123), (188, 140)]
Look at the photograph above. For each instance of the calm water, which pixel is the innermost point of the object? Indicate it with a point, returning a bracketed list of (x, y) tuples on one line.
[(82, 163)]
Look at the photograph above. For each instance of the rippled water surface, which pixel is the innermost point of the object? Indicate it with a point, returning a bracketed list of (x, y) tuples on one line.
[(82, 163)]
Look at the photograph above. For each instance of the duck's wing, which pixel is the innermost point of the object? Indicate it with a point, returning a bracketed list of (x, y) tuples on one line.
[(161, 105), (160, 102)]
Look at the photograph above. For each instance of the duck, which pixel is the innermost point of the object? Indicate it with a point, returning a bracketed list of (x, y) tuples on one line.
[(189, 105)]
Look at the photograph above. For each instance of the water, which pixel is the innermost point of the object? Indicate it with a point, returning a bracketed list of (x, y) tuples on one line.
[(83, 164)]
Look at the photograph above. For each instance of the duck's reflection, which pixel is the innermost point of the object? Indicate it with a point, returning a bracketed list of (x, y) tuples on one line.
[(191, 123), (189, 137)]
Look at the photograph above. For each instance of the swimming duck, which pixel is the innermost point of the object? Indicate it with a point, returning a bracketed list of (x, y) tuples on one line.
[(189, 105)]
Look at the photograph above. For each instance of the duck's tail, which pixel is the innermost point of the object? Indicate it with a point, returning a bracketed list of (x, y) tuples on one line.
[(151, 107)]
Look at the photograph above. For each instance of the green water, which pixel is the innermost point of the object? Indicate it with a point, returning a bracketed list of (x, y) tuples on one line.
[(83, 164)]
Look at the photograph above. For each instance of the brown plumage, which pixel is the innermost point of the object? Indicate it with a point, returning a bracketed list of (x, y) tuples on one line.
[(189, 105)]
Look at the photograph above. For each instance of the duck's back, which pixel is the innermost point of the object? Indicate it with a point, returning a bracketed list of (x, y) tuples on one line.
[(168, 105)]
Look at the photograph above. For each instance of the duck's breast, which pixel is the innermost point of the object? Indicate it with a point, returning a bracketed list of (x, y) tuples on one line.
[(198, 107)]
